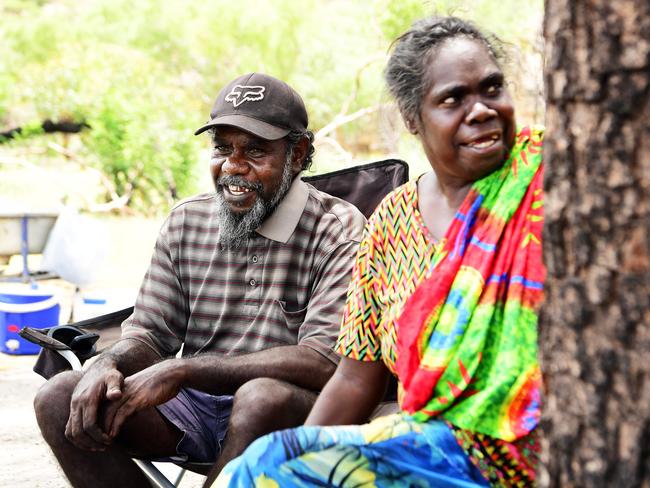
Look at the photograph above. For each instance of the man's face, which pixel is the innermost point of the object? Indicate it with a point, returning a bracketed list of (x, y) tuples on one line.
[(251, 176)]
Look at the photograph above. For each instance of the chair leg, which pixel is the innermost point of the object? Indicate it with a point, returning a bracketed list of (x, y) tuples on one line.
[(155, 475), (181, 473)]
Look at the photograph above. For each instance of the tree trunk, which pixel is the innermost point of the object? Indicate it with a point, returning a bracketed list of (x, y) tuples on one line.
[(595, 326)]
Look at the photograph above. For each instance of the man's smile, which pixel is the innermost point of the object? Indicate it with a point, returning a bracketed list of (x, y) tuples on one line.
[(236, 190)]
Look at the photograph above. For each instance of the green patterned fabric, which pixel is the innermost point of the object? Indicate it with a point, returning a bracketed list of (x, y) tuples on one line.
[(467, 338)]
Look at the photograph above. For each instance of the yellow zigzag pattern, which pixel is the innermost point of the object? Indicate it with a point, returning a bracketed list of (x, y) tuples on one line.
[(394, 256)]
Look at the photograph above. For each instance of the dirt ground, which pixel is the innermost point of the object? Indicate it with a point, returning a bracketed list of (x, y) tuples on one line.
[(25, 459), (21, 444)]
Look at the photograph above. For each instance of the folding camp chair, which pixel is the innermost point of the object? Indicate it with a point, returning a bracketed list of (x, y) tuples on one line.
[(68, 346)]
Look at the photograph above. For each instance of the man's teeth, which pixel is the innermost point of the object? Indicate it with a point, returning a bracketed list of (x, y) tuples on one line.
[(485, 142), (237, 190)]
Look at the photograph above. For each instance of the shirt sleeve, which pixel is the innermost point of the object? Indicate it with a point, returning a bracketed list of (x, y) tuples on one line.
[(359, 334), (160, 315), (323, 316)]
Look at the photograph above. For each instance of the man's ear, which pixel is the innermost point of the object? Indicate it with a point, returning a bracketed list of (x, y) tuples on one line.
[(299, 154)]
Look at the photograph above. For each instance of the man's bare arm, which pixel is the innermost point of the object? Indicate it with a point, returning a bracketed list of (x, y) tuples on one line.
[(299, 365), (129, 356)]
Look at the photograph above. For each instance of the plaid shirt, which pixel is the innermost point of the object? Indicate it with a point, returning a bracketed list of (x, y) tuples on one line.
[(286, 286)]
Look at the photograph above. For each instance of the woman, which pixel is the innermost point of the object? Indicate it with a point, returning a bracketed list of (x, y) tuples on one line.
[(445, 294)]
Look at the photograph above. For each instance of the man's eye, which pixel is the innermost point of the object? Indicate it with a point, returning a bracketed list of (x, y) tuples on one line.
[(221, 149), (449, 101), (255, 152), (494, 89)]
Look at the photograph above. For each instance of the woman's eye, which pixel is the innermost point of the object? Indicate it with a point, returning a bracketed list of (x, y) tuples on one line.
[(449, 101)]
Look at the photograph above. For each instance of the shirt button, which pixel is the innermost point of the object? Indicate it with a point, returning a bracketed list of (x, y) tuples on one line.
[(255, 259), (252, 282)]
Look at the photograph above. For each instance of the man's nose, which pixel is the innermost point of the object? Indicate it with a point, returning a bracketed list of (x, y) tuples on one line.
[(479, 112), (235, 164)]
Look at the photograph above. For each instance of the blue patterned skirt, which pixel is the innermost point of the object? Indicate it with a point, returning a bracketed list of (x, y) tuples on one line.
[(390, 451)]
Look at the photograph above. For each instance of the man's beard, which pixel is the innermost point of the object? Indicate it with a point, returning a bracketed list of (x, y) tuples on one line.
[(235, 228)]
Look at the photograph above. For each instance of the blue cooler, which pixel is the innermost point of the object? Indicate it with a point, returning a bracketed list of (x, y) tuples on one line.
[(25, 306)]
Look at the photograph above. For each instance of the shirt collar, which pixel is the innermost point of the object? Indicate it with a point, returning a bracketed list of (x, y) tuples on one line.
[(282, 222)]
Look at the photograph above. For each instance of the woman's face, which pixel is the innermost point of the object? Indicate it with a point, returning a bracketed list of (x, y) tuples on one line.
[(466, 122)]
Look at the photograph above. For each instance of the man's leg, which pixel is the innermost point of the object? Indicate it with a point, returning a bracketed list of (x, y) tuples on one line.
[(261, 406), (146, 434)]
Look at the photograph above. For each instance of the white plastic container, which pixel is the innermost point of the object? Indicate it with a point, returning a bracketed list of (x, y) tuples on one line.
[(89, 304)]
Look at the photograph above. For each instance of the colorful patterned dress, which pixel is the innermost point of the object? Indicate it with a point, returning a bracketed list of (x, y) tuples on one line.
[(465, 309)]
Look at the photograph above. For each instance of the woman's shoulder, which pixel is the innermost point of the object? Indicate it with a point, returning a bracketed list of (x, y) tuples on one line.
[(398, 200)]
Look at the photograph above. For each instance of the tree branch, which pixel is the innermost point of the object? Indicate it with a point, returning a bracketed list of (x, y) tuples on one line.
[(341, 119), (48, 127), (117, 201)]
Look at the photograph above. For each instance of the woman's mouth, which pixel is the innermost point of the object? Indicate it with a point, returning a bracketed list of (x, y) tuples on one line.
[(484, 142)]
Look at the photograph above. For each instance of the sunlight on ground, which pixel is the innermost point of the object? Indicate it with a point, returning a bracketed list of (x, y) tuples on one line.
[(22, 445)]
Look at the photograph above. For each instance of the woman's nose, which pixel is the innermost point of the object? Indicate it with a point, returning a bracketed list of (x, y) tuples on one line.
[(479, 112)]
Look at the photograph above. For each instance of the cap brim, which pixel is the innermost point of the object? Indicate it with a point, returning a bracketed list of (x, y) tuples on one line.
[(254, 126)]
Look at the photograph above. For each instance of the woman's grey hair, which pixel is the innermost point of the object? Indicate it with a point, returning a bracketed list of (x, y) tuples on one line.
[(294, 137), (407, 65)]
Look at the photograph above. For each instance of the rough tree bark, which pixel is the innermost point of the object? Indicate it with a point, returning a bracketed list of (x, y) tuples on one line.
[(595, 327)]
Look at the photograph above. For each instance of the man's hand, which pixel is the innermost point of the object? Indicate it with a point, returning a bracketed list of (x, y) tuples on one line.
[(101, 382), (148, 388)]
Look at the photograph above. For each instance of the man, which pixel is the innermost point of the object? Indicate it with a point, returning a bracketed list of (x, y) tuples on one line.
[(250, 280)]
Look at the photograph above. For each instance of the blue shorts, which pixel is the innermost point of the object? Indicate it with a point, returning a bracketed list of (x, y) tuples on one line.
[(203, 420)]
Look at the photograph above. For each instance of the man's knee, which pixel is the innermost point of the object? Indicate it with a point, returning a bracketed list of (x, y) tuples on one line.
[(52, 404), (266, 400)]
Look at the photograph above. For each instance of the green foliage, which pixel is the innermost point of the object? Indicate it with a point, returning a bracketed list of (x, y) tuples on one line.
[(143, 74), (395, 17)]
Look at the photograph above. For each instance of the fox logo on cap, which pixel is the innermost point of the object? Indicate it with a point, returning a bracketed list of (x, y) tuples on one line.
[(241, 93)]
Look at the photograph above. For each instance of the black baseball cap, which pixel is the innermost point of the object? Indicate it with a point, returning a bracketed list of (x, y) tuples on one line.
[(259, 104)]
